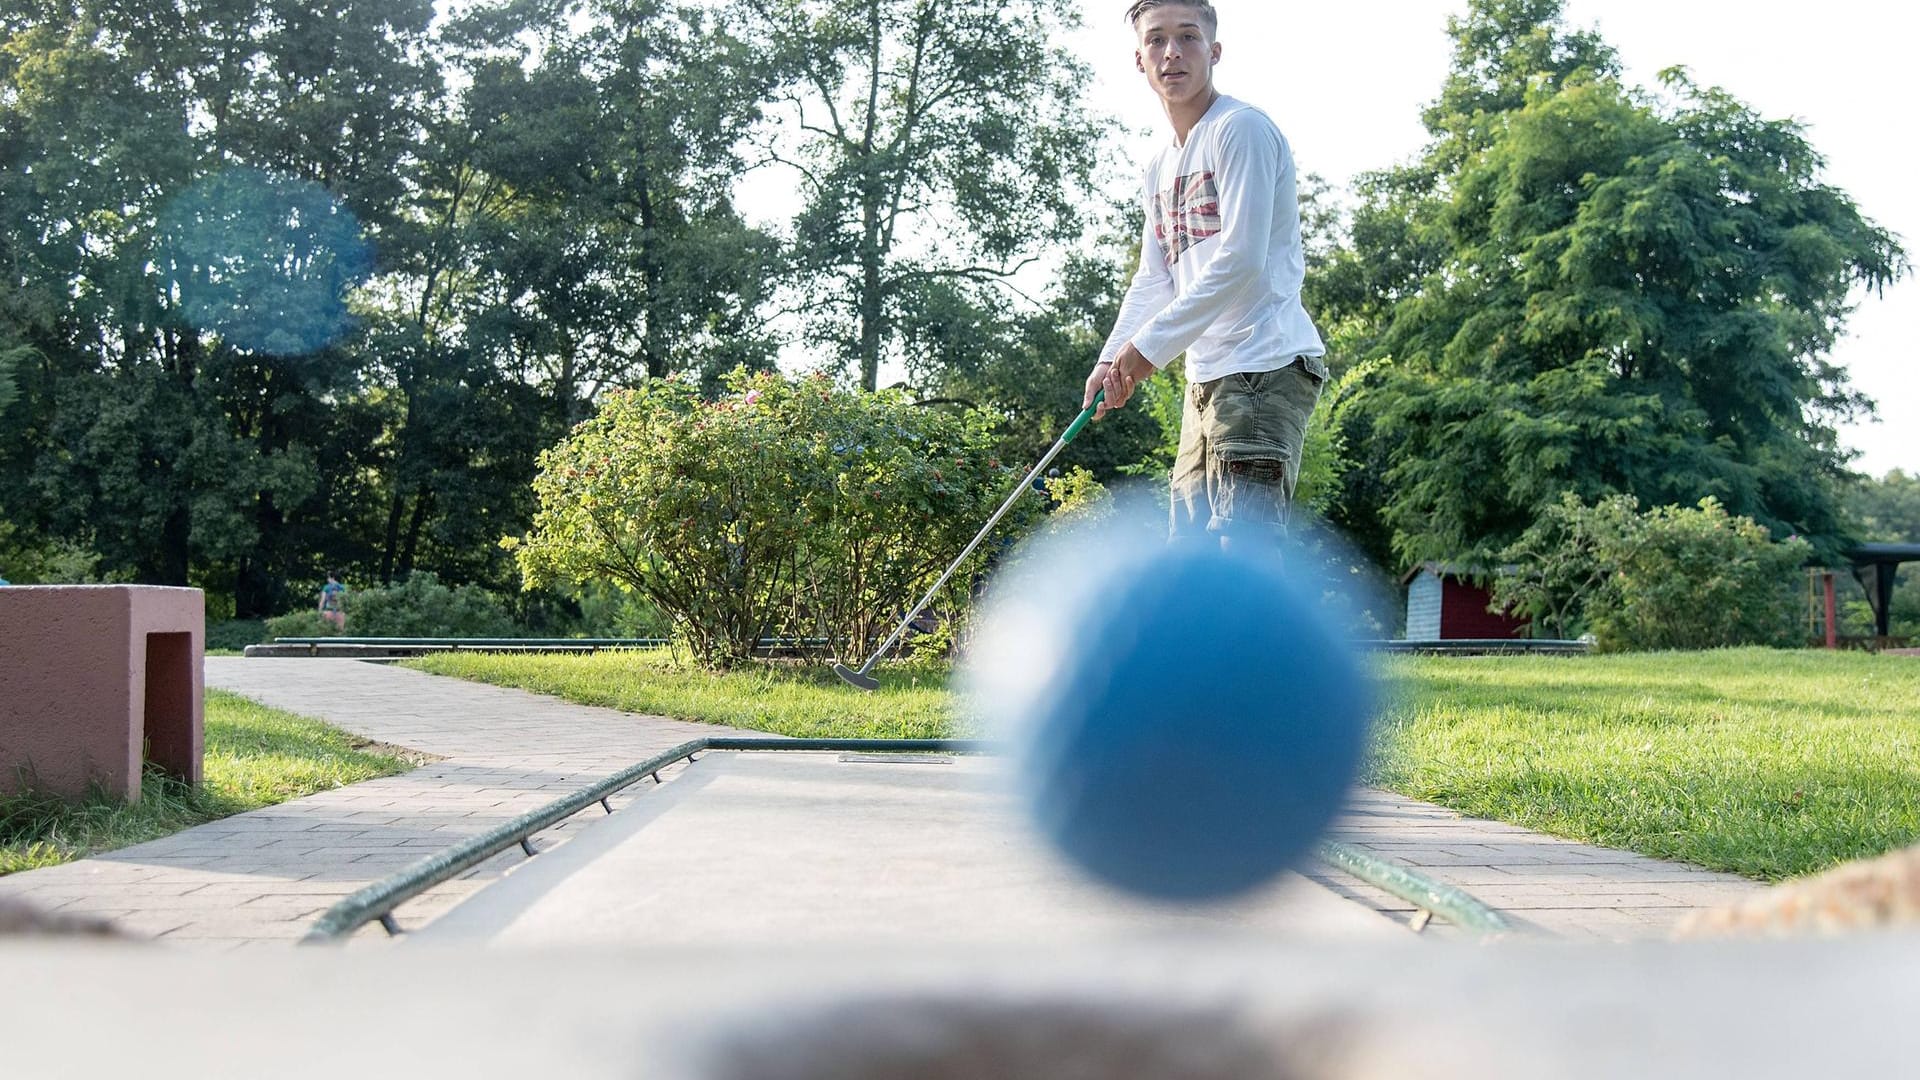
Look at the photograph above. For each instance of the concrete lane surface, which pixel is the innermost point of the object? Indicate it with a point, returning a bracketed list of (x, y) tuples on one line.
[(805, 848)]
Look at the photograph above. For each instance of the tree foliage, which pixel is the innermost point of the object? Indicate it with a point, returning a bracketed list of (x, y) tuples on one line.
[(183, 385), (1027, 369), (783, 507), (943, 145), (1887, 510), (1584, 287), (289, 286), (285, 286)]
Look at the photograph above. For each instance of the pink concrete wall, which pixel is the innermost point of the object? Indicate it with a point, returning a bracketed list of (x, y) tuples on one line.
[(93, 677)]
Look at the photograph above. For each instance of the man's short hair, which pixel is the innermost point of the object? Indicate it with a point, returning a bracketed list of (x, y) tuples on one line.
[(1205, 7)]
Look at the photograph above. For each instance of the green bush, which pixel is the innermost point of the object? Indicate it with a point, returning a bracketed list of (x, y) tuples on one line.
[(300, 624), (1078, 499), (608, 611), (233, 635), (422, 607), (28, 560), (599, 609), (786, 507), (1667, 578)]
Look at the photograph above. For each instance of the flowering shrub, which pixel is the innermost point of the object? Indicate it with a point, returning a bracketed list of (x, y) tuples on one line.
[(786, 507), (1668, 578)]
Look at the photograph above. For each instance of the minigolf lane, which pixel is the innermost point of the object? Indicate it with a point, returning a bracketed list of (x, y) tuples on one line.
[(751, 848)]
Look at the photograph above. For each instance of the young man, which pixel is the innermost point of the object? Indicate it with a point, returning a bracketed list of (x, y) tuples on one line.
[(1220, 272)]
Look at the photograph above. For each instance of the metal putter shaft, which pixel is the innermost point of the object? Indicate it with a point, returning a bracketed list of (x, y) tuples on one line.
[(865, 681)]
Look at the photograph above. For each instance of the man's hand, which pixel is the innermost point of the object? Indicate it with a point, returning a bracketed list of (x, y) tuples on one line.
[(1118, 379), (1095, 382)]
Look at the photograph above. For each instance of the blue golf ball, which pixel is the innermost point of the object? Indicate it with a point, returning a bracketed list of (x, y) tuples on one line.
[(1195, 728)]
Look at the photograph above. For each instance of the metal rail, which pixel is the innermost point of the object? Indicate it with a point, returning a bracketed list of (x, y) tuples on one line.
[(489, 642), (376, 902), (1482, 647), (1457, 906), (399, 648), (372, 646)]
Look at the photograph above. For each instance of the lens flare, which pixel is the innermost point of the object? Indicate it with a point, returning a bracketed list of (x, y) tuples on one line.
[(263, 261)]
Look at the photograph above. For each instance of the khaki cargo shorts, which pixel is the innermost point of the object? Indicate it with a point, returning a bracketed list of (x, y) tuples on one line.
[(1240, 443)]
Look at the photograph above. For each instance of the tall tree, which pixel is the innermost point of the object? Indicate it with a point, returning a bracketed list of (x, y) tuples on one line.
[(1887, 510), (1028, 369), (572, 230), (1584, 287), (588, 170), (181, 443), (942, 144)]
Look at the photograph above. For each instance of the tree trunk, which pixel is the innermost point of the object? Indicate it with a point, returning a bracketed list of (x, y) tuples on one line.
[(175, 556), (870, 198), (409, 554), (390, 551), (870, 321), (652, 340), (258, 591)]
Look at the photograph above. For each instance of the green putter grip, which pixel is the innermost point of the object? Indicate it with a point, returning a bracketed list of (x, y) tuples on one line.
[(1085, 418)]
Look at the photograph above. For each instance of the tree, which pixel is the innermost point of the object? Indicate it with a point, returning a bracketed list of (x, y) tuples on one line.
[(1028, 369), (572, 231), (1583, 288), (944, 145), (585, 183), (1887, 510), (158, 425), (208, 393)]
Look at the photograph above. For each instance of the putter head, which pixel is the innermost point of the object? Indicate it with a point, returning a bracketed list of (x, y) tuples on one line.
[(863, 681)]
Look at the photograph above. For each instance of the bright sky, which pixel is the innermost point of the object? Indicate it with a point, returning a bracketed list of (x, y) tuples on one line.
[(1346, 80)]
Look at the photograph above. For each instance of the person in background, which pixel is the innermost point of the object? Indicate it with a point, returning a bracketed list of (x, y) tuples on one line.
[(333, 601)]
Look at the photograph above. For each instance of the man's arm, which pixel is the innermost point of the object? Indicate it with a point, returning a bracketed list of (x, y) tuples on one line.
[(1148, 295)]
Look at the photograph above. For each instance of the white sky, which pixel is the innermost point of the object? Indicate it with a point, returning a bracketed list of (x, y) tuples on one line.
[(1346, 79)]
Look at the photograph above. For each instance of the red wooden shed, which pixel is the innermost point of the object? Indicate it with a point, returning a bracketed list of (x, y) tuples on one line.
[(1448, 603)]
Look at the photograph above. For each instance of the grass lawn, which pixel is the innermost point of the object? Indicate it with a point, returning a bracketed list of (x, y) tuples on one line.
[(255, 756), (794, 700), (1769, 764)]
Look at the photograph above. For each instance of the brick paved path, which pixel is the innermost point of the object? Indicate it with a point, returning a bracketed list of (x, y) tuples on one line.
[(1559, 886), (262, 877)]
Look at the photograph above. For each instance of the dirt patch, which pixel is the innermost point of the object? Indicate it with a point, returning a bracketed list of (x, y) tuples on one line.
[(413, 757)]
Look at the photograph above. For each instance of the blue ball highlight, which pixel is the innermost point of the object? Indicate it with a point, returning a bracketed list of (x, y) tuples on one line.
[(1201, 727)]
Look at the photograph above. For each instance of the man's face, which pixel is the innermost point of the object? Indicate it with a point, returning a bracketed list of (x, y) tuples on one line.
[(1177, 52)]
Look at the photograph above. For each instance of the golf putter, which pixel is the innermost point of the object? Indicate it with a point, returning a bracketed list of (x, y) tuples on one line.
[(861, 678)]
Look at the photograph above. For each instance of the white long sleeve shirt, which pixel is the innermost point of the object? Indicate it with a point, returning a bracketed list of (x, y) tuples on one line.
[(1221, 263)]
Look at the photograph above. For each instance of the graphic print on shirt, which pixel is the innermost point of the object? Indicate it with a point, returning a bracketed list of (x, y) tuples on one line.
[(1186, 214)]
